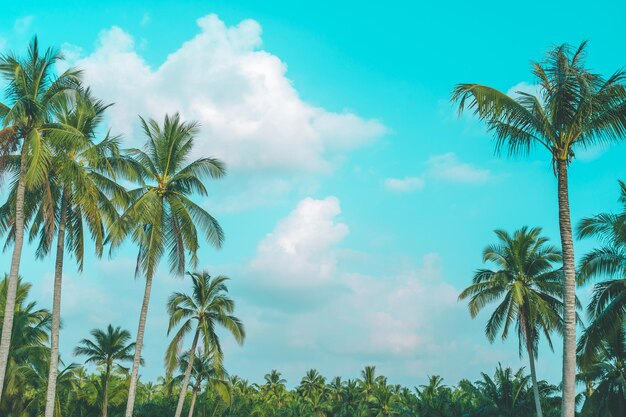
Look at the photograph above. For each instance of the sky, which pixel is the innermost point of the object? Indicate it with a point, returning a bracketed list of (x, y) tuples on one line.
[(357, 203)]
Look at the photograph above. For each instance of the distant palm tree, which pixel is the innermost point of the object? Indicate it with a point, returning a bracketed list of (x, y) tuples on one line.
[(528, 289), (207, 367), (162, 217), (32, 89), (311, 383), (575, 108), (106, 349), (274, 387), (506, 394), (209, 307)]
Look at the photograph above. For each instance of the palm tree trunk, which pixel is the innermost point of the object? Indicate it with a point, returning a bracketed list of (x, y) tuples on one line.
[(568, 405), (183, 391), (105, 399), (9, 309), (56, 311), (533, 376), (196, 388), (134, 376)]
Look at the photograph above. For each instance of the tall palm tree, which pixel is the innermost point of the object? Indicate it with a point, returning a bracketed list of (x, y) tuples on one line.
[(83, 192), (162, 216), (32, 90), (210, 307), (574, 109), (528, 290), (107, 348)]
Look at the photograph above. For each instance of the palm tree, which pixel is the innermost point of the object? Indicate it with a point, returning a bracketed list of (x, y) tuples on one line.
[(106, 349), (209, 306), (575, 109), (603, 368), (506, 394), (28, 345), (311, 383), (162, 217), (84, 193), (274, 387), (607, 308), (32, 89), (528, 289), (207, 367)]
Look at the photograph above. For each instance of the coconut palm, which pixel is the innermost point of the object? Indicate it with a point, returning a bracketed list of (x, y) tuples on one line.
[(528, 289), (311, 383), (106, 348), (83, 192), (32, 89), (210, 307), (162, 217), (207, 367), (28, 345), (607, 308), (603, 369), (506, 394), (575, 108)]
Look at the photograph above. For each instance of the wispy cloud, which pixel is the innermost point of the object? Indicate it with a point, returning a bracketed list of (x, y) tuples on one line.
[(443, 168), (23, 24), (448, 167), (405, 184)]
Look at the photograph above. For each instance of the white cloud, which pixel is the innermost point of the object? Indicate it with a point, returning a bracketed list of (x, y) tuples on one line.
[(251, 115), (405, 184), (447, 167), (299, 255)]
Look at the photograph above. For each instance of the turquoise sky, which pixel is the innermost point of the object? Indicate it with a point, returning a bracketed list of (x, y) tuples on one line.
[(357, 203)]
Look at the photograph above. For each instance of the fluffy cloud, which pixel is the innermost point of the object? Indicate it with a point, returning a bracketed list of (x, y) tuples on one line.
[(251, 115), (447, 167), (405, 184), (297, 263)]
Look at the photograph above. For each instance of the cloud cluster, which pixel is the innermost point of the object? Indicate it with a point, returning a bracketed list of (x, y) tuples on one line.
[(301, 272), (252, 117)]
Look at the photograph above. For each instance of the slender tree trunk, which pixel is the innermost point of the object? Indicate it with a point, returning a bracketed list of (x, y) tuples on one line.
[(568, 405), (105, 399), (134, 376), (533, 376), (183, 391), (9, 309), (196, 388), (56, 311)]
